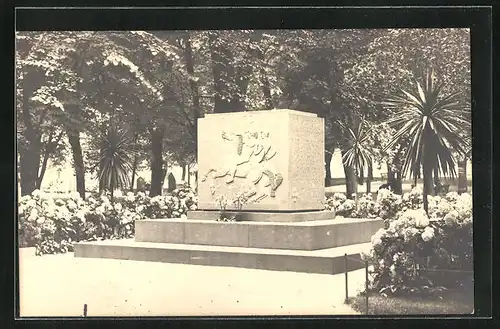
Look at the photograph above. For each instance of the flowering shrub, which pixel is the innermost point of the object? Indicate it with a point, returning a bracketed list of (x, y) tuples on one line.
[(53, 224), (385, 206), (416, 252)]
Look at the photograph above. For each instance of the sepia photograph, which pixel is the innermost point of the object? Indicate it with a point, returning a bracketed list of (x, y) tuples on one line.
[(257, 172)]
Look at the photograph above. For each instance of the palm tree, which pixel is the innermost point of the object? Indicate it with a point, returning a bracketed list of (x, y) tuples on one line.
[(116, 159), (433, 122), (358, 154)]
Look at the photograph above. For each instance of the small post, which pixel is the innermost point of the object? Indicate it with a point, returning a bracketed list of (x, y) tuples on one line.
[(84, 310), (346, 301), (366, 286)]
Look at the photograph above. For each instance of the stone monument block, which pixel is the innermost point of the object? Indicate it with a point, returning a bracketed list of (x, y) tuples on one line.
[(274, 158)]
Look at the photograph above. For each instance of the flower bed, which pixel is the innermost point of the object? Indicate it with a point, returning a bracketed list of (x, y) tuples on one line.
[(54, 224), (417, 252)]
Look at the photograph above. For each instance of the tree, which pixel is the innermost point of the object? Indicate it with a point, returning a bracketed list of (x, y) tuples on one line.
[(393, 59), (433, 121), (116, 159), (358, 155)]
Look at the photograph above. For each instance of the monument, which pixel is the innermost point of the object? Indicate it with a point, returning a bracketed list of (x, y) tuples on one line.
[(275, 159)]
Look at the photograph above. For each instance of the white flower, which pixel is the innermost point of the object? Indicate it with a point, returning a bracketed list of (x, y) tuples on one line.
[(26, 198), (81, 215), (183, 216), (40, 220), (33, 215), (422, 221), (99, 210), (376, 241), (20, 210), (104, 199), (118, 193), (428, 234), (71, 205), (393, 269), (451, 217), (139, 208), (36, 193), (49, 212), (193, 207), (118, 207), (130, 197)]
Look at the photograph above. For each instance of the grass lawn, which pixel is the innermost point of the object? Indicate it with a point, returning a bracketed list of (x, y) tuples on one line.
[(453, 302)]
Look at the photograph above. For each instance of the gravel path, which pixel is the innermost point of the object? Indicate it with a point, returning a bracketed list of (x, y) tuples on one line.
[(59, 285)]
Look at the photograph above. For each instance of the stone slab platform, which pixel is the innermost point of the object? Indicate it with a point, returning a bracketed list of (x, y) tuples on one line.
[(312, 235), (325, 261), (264, 216)]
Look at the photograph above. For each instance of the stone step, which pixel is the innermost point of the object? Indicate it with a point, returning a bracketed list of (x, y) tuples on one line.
[(325, 261), (311, 235), (264, 216)]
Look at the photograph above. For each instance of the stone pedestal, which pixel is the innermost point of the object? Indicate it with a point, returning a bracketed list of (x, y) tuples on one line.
[(276, 157)]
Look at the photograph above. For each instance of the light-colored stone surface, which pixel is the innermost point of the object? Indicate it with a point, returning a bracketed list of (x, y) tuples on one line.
[(311, 235), (324, 261), (261, 216), (215, 233), (60, 285), (156, 231), (295, 138)]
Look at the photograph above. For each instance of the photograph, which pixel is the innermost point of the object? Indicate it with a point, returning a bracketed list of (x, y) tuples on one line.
[(244, 172)]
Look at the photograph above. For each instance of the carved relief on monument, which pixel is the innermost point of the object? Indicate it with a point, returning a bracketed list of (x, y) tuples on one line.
[(248, 159)]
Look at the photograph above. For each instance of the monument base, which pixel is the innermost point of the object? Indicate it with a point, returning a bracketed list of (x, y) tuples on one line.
[(324, 261), (308, 246), (264, 216), (312, 235)]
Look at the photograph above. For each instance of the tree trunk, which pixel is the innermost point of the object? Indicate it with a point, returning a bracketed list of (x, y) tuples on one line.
[(30, 149), (29, 162), (42, 170), (462, 176), (49, 148), (369, 179), (156, 161), (428, 181), (164, 175), (188, 56), (266, 86), (328, 171), (183, 172), (188, 177), (76, 149), (398, 182), (394, 178), (219, 63), (390, 174), (436, 174), (350, 180), (101, 154), (134, 171), (356, 189)]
